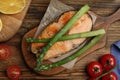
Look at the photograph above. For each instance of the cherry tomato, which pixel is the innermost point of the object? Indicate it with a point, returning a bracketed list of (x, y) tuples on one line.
[(4, 51), (13, 72), (108, 61), (94, 69), (110, 76), (91, 78)]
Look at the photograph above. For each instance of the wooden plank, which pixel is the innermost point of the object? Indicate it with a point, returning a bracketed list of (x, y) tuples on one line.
[(34, 15)]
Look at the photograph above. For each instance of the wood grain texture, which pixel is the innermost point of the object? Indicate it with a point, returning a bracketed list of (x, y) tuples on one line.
[(12, 22), (32, 19), (101, 22)]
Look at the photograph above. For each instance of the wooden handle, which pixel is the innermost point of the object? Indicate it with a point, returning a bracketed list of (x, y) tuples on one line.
[(114, 17)]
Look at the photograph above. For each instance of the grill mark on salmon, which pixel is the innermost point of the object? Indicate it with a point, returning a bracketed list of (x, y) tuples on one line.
[(84, 24)]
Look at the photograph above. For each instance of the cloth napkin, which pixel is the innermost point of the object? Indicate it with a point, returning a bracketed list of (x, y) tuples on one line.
[(115, 51)]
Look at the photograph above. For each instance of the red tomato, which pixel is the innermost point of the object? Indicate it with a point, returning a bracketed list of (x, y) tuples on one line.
[(4, 51), (91, 78), (108, 61), (94, 69), (110, 76), (13, 72)]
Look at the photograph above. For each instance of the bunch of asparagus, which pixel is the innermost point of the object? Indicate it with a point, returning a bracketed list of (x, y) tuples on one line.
[(98, 34)]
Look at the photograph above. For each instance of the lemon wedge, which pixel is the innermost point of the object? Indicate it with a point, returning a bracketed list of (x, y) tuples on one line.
[(12, 6), (0, 25)]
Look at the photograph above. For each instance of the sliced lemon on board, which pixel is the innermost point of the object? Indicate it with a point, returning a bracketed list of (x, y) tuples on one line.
[(12, 6), (0, 25)]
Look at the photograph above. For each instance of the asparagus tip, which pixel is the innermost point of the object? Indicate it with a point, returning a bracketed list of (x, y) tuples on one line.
[(28, 40)]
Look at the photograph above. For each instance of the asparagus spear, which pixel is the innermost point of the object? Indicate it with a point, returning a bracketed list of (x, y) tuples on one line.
[(75, 18), (69, 37), (72, 57)]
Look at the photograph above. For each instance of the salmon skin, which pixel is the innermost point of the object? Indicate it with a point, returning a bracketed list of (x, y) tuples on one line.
[(84, 24)]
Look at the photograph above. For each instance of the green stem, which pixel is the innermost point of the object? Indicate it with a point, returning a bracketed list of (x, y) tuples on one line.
[(75, 18), (72, 57), (69, 37), (105, 73)]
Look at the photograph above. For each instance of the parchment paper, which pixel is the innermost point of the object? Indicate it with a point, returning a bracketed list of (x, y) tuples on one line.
[(54, 10)]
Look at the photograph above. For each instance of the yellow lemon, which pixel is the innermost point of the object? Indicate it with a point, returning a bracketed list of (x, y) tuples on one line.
[(12, 6), (0, 25)]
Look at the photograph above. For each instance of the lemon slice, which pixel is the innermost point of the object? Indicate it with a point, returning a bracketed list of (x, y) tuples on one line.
[(12, 6), (0, 25)]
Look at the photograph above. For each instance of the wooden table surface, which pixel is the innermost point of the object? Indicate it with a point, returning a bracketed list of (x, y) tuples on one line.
[(32, 19)]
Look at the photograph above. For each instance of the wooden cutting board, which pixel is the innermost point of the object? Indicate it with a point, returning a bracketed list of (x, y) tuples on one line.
[(11, 23), (101, 22)]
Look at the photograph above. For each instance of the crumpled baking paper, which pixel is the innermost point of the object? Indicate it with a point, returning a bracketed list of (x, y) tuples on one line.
[(54, 10)]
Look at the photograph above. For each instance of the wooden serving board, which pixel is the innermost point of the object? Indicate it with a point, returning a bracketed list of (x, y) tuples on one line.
[(101, 22), (11, 23)]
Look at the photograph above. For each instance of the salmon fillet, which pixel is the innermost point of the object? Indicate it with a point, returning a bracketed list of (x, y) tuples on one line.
[(84, 24)]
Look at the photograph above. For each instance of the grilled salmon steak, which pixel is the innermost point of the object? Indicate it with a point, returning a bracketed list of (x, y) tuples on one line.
[(84, 24)]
